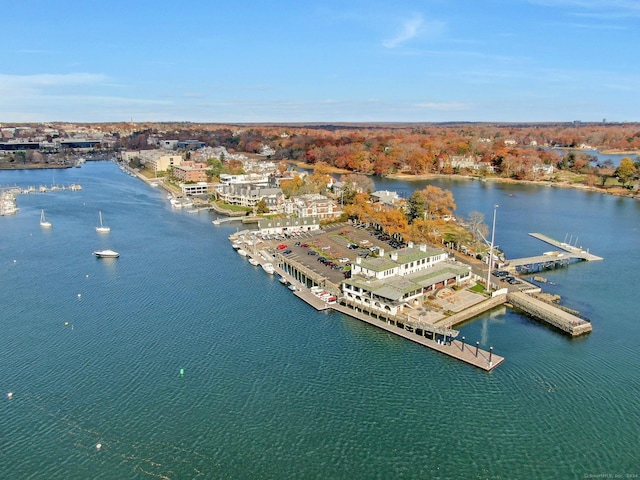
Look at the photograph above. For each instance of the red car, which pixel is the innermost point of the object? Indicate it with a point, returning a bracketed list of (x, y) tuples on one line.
[(282, 246)]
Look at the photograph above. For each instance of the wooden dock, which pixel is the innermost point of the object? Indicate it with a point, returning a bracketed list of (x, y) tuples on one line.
[(456, 349)]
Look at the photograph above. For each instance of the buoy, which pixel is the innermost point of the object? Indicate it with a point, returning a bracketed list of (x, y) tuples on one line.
[(14, 260), (87, 275), (98, 446), (10, 395), (182, 372), (79, 295), (66, 324)]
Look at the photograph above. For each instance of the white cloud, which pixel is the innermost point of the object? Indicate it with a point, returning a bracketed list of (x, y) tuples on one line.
[(412, 28), (51, 79)]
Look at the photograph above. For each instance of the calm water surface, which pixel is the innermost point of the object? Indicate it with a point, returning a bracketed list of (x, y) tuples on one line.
[(273, 389)]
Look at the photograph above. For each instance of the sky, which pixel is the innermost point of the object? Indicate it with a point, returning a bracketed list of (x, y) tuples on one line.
[(285, 61)]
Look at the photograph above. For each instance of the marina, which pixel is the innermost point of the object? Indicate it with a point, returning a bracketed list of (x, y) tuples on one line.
[(281, 380)]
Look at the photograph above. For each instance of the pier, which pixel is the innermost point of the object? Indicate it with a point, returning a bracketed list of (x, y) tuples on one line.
[(550, 260), (550, 314), (439, 337), (573, 251)]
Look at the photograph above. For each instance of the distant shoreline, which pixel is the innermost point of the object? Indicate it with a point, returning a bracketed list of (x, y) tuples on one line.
[(33, 166)]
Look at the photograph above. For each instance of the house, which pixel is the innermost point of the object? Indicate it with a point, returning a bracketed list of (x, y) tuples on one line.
[(543, 169), (385, 197)]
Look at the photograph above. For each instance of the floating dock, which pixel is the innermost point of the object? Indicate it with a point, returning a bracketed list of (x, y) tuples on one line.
[(573, 251), (551, 260)]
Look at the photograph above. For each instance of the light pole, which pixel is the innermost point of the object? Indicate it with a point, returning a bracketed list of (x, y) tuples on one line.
[(493, 236)]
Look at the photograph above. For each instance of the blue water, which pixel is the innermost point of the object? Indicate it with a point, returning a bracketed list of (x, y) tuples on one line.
[(273, 389)]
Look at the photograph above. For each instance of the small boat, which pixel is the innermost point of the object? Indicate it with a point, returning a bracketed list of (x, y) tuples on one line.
[(242, 252), (106, 254), (43, 221), (102, 228), (154, 184), (292, 287), (283, 280), (254, 262), (268, 267)]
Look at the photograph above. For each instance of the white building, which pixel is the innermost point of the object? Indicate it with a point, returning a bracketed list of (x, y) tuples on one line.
[(389, 282), (278, 226)]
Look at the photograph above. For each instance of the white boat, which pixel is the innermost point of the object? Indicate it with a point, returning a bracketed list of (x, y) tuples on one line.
[(242, 252), (102, 228), (154, 184), (268, 267), (43, 221), (254, 262), (292, 287), (283, 280), (106, 254)]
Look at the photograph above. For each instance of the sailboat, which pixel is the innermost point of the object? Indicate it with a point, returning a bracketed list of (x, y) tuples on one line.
[(102, 228), (43, 221)]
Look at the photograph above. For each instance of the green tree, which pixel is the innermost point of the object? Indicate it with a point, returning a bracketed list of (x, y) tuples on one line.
[(215, 168), (417, 205)]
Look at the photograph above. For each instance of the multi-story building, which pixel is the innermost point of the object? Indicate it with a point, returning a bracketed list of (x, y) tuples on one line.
[(389, 282), (250, 195), (190, 171), (312, 205)]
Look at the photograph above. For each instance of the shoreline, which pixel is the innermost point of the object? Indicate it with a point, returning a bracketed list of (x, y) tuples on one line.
[(407, 177), (620, 192)]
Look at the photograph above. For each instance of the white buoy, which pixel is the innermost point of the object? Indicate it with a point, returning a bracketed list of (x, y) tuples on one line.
[(14, 260), (98, 446), (10, 395), (66, 324), (79, 295), (87, 275)]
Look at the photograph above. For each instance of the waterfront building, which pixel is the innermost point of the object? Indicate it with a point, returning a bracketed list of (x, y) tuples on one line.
[(248, 195), (260, 179), (190, 171), (199, 188), (279, 226), (155, 160), (389, 282)]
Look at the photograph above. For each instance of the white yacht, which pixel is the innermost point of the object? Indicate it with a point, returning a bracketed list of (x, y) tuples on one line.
[(102, 228), (268, 267), (43, 221), (106, 254)]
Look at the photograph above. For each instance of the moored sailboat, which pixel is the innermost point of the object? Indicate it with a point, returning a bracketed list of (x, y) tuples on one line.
[(102, 228)]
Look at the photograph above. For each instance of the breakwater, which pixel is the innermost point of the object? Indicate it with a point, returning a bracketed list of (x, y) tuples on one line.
[(550, 314)]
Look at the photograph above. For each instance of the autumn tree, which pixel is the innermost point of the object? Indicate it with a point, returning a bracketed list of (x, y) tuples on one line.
[(439, 202), (262, 207), (626, 171)]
